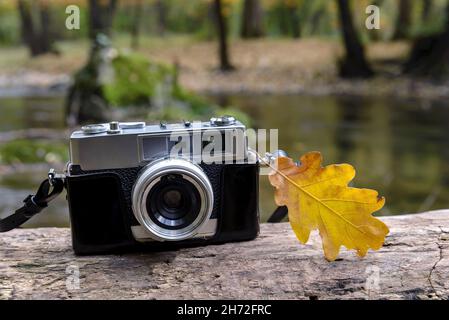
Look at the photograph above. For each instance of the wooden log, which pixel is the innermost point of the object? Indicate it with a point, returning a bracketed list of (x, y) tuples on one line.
[(413, 264)]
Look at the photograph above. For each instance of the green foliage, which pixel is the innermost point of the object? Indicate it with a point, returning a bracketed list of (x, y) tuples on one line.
[(198, 105), (194, 17), (240, 115), (135, 80), (33, 151), (172, 113), (187, 16), (177, 114), (187, 105), (9, 28)]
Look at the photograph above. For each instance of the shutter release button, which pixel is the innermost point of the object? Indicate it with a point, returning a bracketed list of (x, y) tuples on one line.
[(114, 127)]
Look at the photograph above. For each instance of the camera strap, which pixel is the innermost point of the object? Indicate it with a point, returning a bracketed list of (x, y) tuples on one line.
[(33, 204), (278, 215), (52, 187)]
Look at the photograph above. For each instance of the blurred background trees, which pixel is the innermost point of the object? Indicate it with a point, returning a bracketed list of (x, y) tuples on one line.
[(225, 20), (422, 23), (189, 59), (221, 25), (252, 19), (101, 16), (403, 20), (429, 55), (36, 29), (354, 63)]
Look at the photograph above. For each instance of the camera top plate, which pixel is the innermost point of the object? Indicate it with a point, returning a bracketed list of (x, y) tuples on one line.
[(131, 144)]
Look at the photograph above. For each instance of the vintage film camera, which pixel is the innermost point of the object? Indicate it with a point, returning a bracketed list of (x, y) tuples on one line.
[(153, 187)]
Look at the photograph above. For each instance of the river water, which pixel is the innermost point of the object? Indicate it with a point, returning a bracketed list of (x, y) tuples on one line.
[(399, 147)]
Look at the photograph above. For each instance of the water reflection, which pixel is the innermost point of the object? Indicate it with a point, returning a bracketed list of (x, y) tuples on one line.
[(31, 112), (399, 147)]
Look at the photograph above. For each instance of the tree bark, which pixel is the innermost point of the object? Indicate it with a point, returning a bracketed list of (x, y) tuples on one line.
[(429, 56), (85, 100), (426, 10), (283, 17), (161, 17), (376, 34), (252, 19), (294, 18), (354, 64), (413, 264), (288, 19), (101, 16), (403, 20), (36, 33), (316, 21), (221, 25), (135, 28)]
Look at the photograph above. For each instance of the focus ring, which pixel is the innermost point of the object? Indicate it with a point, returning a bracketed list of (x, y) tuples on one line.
[(150, 176)]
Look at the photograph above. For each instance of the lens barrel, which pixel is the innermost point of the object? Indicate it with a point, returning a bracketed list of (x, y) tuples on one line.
[(173, 202), (172, 199)]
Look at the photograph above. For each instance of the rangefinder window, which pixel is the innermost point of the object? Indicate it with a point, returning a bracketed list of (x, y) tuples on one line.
[(155, 147)]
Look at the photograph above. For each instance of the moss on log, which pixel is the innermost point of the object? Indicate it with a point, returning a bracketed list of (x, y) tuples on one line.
[(413, 264)]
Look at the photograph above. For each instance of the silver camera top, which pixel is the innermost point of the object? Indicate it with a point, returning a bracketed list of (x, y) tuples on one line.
[(117, 145)]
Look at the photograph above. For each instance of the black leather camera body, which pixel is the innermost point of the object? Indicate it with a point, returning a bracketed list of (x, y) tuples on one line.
[(132, 186)]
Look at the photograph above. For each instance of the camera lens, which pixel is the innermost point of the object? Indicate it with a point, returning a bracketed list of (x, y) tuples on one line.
[(172, 199), (173, 202)]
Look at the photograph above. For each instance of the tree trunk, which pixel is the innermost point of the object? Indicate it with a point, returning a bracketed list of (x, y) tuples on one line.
[(27, 26), (85, 101), (429, 56), (412, 264), (376, 34), (252, 19), (36, 33), (403, 20), (135, 28), (225, 64), (161, 17), (354, 64), (101, 16), (46, 37), (295, 23), (288, 19), (316, 21), (283, 19), (426, 10)]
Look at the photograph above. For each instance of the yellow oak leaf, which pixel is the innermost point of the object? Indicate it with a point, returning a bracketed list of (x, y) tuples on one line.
[(319, 198)]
